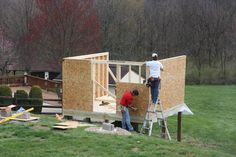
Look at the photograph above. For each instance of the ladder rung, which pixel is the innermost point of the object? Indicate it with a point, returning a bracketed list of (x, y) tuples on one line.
[(160, 119)]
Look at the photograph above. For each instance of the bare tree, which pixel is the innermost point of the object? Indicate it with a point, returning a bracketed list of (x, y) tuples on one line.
[(7, 51), (47, 31), (64, 28), (16, 25)]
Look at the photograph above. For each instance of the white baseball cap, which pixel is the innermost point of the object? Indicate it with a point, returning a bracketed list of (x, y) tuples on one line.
[(154, 55)]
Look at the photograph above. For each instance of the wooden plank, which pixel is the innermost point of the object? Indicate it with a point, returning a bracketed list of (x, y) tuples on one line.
[(103, 75), (112, 75), (118, 72), (24, 120), (70, 125), (118, 62), (93, 78), (61, 127), (109, 93), (129, 73), (97, 77), (147, 73), (88, 56), (106, 72), (139, 74)]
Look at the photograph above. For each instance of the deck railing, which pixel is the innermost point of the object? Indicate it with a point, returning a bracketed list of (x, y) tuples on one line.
[(17, 79), (31, 81)]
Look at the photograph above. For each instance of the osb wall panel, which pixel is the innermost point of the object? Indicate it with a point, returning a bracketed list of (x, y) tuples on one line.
[(77, 85), (173, 81), (139, 102)]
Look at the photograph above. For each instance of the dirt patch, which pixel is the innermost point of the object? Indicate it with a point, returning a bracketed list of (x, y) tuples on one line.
[(135, 149), (198, 143), (194, 143), (116, 131)]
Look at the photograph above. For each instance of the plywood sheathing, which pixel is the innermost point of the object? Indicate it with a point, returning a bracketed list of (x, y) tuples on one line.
[(173, 81), (77, 85), (172, 86), (139, 102), (77, 81)]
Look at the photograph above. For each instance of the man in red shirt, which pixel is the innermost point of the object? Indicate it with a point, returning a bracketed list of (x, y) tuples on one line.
[(126, 103)]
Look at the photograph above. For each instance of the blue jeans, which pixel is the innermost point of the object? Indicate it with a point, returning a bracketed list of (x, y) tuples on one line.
[(126, 120), (155, 90)]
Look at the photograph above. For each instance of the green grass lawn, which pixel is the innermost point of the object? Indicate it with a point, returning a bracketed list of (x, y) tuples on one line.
[(210, 132)]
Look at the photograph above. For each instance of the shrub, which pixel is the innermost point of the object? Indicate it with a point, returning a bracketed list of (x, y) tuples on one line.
[(36, 92), (21, 103), (5, 91)]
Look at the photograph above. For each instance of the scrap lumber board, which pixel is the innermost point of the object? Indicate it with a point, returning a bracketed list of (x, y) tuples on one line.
[(66, 125), (70, 125), (16, 115), (5, 107), (23, 120)]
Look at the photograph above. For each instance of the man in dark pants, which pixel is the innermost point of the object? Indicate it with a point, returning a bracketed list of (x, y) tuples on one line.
[(126, 103), (155, 68)]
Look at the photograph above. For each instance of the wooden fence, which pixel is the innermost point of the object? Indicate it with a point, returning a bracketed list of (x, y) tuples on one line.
[(13, 80), (44, 84), (31, 81)]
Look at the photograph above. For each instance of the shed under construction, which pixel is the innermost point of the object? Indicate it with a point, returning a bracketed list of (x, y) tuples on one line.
[(86, 93)]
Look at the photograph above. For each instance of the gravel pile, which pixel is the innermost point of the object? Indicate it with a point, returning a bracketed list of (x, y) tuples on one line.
[(116, 131)]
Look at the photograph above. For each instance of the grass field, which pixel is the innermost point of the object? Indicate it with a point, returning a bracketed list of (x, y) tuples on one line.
[(211, 132)]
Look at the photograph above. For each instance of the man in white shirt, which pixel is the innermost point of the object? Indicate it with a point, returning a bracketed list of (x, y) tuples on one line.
[(155, 68)]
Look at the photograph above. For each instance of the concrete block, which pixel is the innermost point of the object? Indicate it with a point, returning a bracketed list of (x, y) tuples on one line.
[(108, 126)]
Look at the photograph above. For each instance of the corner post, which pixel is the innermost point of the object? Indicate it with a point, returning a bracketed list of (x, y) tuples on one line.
[(179, 126)]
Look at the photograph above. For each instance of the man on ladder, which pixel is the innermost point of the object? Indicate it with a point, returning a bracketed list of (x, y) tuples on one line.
[(155, 68)]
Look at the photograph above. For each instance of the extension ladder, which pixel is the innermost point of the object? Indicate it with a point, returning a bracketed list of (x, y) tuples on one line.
[(151, 117)]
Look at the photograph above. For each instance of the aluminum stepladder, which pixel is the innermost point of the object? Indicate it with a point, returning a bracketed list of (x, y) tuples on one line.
[(155, 115)]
